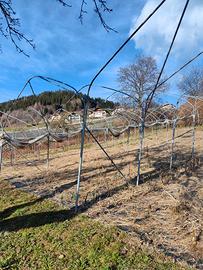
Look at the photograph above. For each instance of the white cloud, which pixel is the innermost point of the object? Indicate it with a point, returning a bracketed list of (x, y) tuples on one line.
[(156, 35)]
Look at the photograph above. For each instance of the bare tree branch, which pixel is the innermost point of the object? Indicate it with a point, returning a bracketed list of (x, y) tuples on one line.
[(64, 3), (101, 6), (82, 11), (10, 24)]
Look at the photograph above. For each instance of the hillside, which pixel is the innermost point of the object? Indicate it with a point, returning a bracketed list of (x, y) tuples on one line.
[(54, 99), (48, 102)]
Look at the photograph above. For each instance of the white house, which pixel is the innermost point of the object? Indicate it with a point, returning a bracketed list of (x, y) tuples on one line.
[(54, 118), (98, 113), (74, 117), (118, 110)]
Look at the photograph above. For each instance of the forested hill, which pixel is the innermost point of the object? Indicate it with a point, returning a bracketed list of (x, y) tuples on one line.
[(51, 101)]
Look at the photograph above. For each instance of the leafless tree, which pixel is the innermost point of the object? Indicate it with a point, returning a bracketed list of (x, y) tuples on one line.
[(192, 83), (10, 27), (139, 79)]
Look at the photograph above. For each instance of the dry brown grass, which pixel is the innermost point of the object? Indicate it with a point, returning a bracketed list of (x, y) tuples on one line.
[(165, 211)]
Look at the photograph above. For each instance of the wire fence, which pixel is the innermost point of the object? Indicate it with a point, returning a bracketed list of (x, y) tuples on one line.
[(136, 124)]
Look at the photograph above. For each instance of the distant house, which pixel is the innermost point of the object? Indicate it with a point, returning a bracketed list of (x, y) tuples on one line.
[(55, 118), (73, 118), (98, 113), (118, 110), (168, 107)]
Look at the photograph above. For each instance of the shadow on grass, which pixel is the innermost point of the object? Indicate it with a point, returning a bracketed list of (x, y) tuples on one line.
[(10, 210), (36, 220), (42, 218), (160, 165)]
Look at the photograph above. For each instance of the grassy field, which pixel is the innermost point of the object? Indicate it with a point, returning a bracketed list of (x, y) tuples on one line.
[(164, 212), (38, 234)]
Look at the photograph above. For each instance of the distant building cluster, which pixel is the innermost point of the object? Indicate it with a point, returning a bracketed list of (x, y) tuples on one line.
[(98, 113), (76, 117)]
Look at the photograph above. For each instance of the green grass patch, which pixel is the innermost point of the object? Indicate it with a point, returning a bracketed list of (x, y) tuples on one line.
[(38, 234)]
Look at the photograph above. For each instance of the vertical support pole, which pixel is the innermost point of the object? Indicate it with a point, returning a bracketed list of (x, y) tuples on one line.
[(1, 154), (128, 135), (141, 138), (128, 142), (14, 155), (105, 135), (193, 137), (11, 155), (156, 129), (38, 150), (48, 150), (34, 149), (172, 143), (167, 132), (88, 138), (81, 154)]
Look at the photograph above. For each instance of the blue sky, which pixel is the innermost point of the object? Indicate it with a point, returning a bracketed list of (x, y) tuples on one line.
[(71, 52)]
